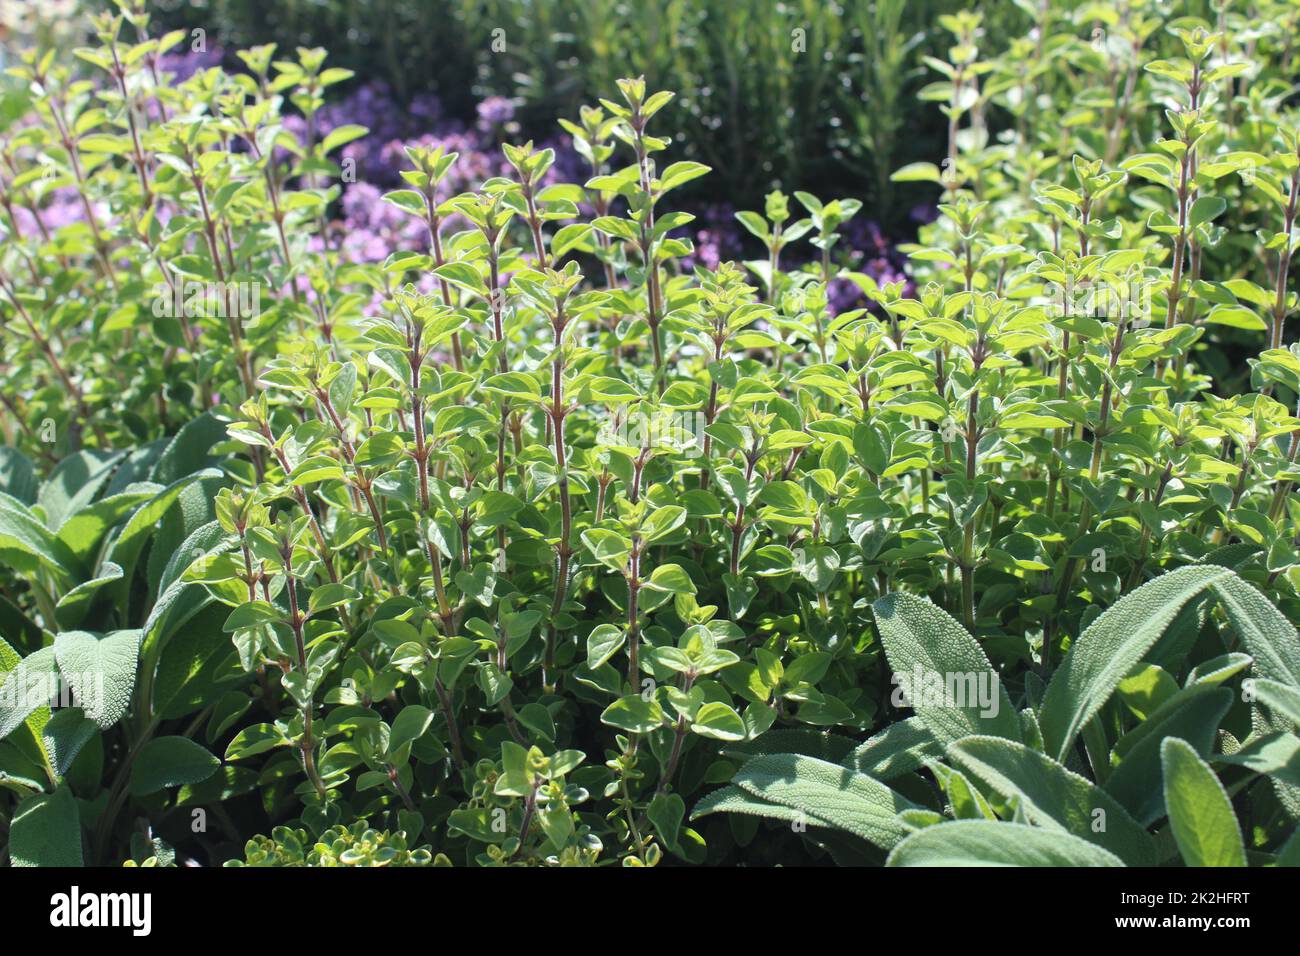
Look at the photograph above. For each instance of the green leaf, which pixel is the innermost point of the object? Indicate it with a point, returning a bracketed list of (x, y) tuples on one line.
[(612, 390), (63, 736), (610, 548), (100, 671), (1194, 715), (75, 604), (990, 843), (1236, 317), (1200, 813), (378, 451), (1052, 797), (945, 674), (83, 532), (1270, 638), (613, 226), (842, 798), (1207, 208), (178, 599), (251, 614), (192, 665), (741, 591), (568, 238), (671, 578), (25, 544), (964, 800), (1282, 699), (634, 714), (477, 824), (735, 800), (917, 173), (679, 173), (75, 481), (516, 385), (497, 508), (17, 475), (715, 719), (1273, 755), (26, 688), (603, 643), (408, 200), (170, 762), (315, 469), (409, 726), (756, 225), (254, 740), (342, 135), (46, 831), (1146, 689), (142, 524), (190, 450), (1106, 652), (665, 814), (662, 522), (330, 596), (900, 748), (495, 683)]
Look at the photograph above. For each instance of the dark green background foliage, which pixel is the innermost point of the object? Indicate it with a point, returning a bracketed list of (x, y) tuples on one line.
[(762, 104), (539, 542)]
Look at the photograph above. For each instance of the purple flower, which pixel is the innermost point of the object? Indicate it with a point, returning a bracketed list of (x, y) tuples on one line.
[(495, 111), (185, 64), (924, 213), (715, 234)]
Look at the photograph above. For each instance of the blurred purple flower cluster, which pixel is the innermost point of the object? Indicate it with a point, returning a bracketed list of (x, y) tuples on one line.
[(61, 207), (716, 235), (184, 64), (369, 229), (377, 156), (864, 248)]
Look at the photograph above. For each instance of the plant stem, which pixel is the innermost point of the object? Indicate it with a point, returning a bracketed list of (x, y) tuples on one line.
[(530, 807), (563, 548), (307, 744), (654, 306), (633, 612), (1284, 262)]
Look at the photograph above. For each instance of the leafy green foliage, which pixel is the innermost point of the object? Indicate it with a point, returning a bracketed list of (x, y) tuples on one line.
[(45, 831), (534, 547), (1200, 813), (984, 843), (995, 785), (356, 845)]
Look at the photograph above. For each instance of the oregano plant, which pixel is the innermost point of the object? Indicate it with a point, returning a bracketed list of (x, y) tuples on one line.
[(542, 538)]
